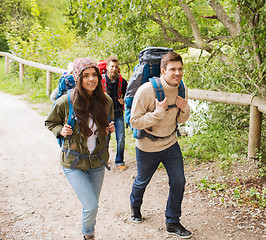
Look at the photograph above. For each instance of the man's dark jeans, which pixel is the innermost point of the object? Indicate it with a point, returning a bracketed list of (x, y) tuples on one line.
[(120, 140), (147, 163)]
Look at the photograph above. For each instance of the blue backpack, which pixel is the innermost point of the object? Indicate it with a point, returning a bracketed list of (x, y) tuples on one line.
[(66, 82), (148, 69), (71, 118)]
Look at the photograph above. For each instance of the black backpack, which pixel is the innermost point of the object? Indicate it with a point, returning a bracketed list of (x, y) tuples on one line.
[(148, 69)]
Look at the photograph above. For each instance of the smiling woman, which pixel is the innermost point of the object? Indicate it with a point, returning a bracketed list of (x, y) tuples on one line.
[(89, 80), (85, 154)]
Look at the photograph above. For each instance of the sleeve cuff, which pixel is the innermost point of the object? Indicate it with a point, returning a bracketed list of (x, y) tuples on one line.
[(186, 109)]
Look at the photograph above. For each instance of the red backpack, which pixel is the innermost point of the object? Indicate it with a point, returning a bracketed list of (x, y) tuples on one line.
[(119, 87), (102, 66)]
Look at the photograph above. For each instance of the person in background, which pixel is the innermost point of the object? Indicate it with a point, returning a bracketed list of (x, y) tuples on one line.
[(67, 85), (85, 154), (156, 119), (116, 88)]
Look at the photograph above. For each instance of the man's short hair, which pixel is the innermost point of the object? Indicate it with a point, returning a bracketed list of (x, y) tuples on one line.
[(112, 59), (170, 57)]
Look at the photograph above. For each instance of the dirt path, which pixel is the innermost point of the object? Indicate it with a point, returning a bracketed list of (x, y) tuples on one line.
[(37, 203)]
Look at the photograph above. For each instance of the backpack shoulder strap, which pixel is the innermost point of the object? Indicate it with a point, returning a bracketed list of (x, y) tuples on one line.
[(104, 83), (70, 121), (119, 87), (71, 115), (156, 83), (181, 90)]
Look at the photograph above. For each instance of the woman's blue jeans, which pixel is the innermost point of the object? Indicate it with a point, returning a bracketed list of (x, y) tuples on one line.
[(147, 163), (120, 140), (87, 185)]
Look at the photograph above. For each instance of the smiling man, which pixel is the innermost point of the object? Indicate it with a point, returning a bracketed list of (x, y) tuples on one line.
[(156, 119), (116, 88)]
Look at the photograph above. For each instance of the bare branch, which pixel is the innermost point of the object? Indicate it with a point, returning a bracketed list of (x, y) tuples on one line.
[(180, 47), (213, 53), (216, 38), (223, 17), (238, 18), (201, 52), (248, 5), (196, 32), (210, 17), (130, 61), (178, 36), (254, 21), (190, 2), (239, 83)]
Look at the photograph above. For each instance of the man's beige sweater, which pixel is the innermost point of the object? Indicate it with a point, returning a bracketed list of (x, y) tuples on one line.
[(157, 121)]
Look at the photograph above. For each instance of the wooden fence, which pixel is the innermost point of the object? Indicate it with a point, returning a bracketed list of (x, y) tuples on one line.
[(257, 105), (49, 70)]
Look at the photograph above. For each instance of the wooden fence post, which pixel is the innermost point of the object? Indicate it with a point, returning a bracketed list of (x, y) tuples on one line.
[(254, 138), (48, 82), (7, 66), (21, 72)]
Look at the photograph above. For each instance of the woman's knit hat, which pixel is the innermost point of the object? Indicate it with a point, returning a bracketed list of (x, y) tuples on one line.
[(80, 64)]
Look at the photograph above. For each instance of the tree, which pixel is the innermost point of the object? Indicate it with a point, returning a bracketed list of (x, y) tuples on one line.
[(15, 15), (229, 30)]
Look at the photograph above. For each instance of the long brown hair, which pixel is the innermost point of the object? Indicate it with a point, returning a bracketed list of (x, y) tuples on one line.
[(94, 106)]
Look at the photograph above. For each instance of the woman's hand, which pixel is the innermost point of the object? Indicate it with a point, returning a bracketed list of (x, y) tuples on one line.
[(66, 130), (110, 128)]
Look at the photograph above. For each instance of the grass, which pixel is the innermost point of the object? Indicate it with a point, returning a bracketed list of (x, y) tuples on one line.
[(251, 193), (33, 87), (129, 140)]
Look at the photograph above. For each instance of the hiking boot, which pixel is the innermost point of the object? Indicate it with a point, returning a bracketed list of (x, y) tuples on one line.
[(135, 214), (91, 237), (178, 229), (122, 167)]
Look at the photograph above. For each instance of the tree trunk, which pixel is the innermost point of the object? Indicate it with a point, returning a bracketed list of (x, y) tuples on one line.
[(193, 23)]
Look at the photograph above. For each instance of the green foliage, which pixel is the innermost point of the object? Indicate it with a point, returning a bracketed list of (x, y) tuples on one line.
[(33, 89), (214, 145), (254, 196), (213, 140), (3, 43), (212, 74), (52, 14), (261, 160), (34, 92), (241, 194), (130, 142), (42, 43), (17, 13), (125, 27), (54, 45), (215, 186)]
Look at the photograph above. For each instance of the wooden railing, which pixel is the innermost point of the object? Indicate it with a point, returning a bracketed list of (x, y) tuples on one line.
[(257, 105), (22, 63)]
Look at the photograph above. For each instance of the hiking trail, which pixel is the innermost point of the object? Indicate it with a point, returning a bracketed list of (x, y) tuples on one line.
[(38, 203)]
